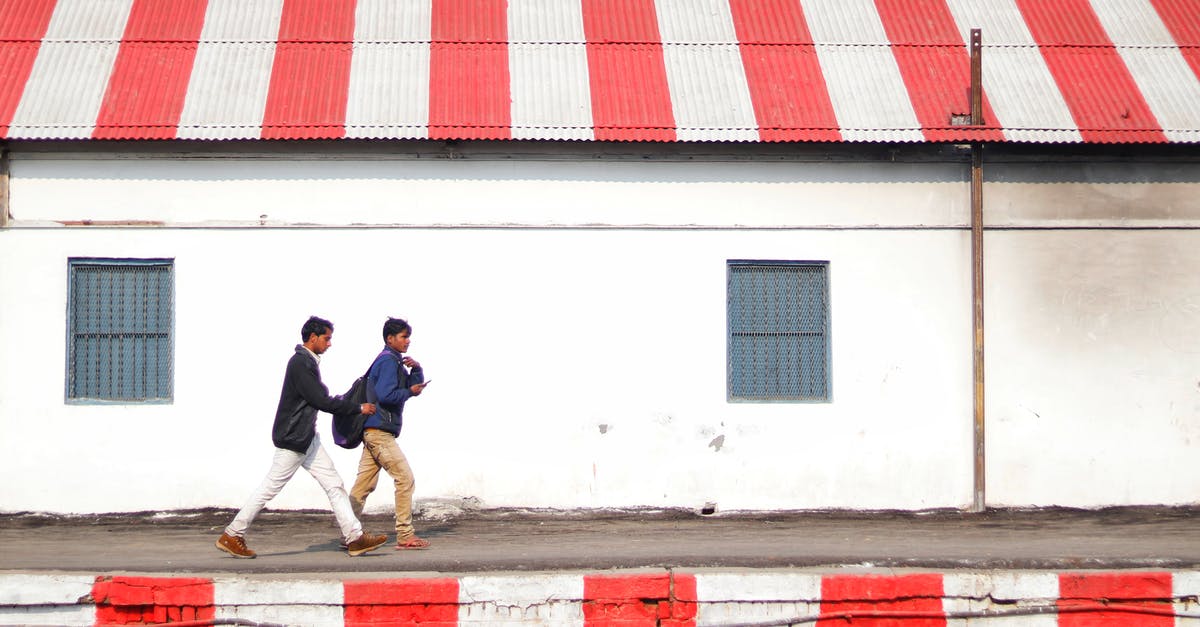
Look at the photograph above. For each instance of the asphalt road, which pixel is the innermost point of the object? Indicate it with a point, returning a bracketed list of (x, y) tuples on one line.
[(483, 541)]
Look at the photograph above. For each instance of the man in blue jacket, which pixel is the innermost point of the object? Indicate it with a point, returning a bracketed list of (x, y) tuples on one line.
[(395, 378), (297, 446)]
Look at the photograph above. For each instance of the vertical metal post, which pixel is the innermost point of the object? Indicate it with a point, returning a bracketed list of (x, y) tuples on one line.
[(976, 77), (3, 186), (980, 501)]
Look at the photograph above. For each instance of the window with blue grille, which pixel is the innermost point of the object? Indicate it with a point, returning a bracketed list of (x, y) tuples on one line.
[(778, 325), (120, 317)]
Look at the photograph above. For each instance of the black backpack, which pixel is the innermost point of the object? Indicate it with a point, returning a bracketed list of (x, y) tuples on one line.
[(348, 425)]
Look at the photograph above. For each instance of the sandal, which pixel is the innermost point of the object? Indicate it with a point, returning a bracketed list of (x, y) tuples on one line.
[(413, 543)]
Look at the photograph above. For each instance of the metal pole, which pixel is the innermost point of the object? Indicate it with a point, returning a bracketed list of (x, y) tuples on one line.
[(4, 213), (980, 502)]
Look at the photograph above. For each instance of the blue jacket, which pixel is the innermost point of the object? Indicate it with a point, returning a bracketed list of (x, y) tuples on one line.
[(390, 381)]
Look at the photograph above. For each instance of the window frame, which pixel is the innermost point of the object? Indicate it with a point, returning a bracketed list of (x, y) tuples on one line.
[(71, 330), (827, 396)]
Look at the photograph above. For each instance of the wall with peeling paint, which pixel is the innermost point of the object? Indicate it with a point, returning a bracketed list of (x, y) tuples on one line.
[(571, 315)]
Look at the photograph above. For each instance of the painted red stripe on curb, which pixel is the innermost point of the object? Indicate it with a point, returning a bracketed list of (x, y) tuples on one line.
[(788, 89), (149, 80), (631, 99), (651, 599), (387, 602), (469, 85), (310, 79), (918, 595), (1143, 590), (22, 36), (140, 600)]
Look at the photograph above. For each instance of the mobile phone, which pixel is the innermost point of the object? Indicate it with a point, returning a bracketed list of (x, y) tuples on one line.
[(426, 382)]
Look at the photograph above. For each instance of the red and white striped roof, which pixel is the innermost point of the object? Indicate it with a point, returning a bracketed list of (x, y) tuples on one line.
[(662, 70)]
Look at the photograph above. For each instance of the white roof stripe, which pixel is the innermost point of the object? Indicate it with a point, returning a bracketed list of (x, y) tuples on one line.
[(868, 94), (865, 86), (551, 95), (65, 90), (999, 21), (392, 21), (1132, 23), (227, 91), (1169, 87), (88, 20), (66, 86), (695, 21), (707, 80), (1166, 81), (549, 85), (389, 75), (545, 21), (1016, 80), (844, 22), (389, 91), (709, 94), (238, 20)]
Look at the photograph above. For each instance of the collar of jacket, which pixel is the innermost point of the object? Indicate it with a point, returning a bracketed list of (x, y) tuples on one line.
[(303, 350)]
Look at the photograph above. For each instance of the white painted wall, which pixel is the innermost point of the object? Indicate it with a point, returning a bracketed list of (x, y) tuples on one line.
[(573, 367)]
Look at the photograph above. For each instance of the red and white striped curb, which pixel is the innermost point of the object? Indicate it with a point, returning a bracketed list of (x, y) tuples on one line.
[(1007, 598)]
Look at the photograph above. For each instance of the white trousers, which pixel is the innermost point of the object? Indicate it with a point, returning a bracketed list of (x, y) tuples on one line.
[(285, 464)]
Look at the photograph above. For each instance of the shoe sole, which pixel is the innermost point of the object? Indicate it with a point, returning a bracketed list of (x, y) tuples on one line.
[(357, 552), (227, 550)]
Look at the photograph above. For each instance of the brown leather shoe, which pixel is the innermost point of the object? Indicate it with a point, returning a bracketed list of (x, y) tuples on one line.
[(235, 546), (365, 542)]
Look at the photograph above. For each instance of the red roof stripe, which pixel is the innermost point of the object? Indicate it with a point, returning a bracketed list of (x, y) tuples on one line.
[(305, 21), (470, 21), (770, 22), (631, 99), (1089, 72), (310, 78), (469, 84), (928, 69), (1182, 18), (21, 35), (149, 80), (787, 86), (25, 20)]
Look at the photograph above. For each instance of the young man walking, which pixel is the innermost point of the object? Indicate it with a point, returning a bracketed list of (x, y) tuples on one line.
[(297, 446), (395, 378)]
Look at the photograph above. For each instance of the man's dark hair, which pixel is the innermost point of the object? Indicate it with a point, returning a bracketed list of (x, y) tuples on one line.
[(315, 326), (395, 326)]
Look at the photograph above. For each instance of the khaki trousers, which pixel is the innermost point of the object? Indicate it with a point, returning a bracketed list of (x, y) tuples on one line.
[(380, 450)]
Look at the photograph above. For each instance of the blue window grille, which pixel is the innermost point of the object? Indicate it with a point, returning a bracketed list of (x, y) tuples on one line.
[(778, 324), (120, 314)]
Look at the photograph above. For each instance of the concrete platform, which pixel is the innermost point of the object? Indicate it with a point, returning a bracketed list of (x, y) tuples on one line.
[(490, 540), (1129, 566)]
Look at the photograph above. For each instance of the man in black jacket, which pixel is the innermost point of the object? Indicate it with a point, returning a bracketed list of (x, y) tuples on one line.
[(297, 446)]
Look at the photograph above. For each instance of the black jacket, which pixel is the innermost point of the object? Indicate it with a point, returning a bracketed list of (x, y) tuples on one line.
[(302, 395)]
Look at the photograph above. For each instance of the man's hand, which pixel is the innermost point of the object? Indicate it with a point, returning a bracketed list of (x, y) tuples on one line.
[(410, 362), (416, 389), (366, 409)]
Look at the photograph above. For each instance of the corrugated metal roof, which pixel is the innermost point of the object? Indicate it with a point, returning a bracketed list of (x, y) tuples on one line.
[(651, 70)]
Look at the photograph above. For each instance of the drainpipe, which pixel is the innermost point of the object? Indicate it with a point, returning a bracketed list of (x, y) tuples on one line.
[(980, 501), (4, 214)]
